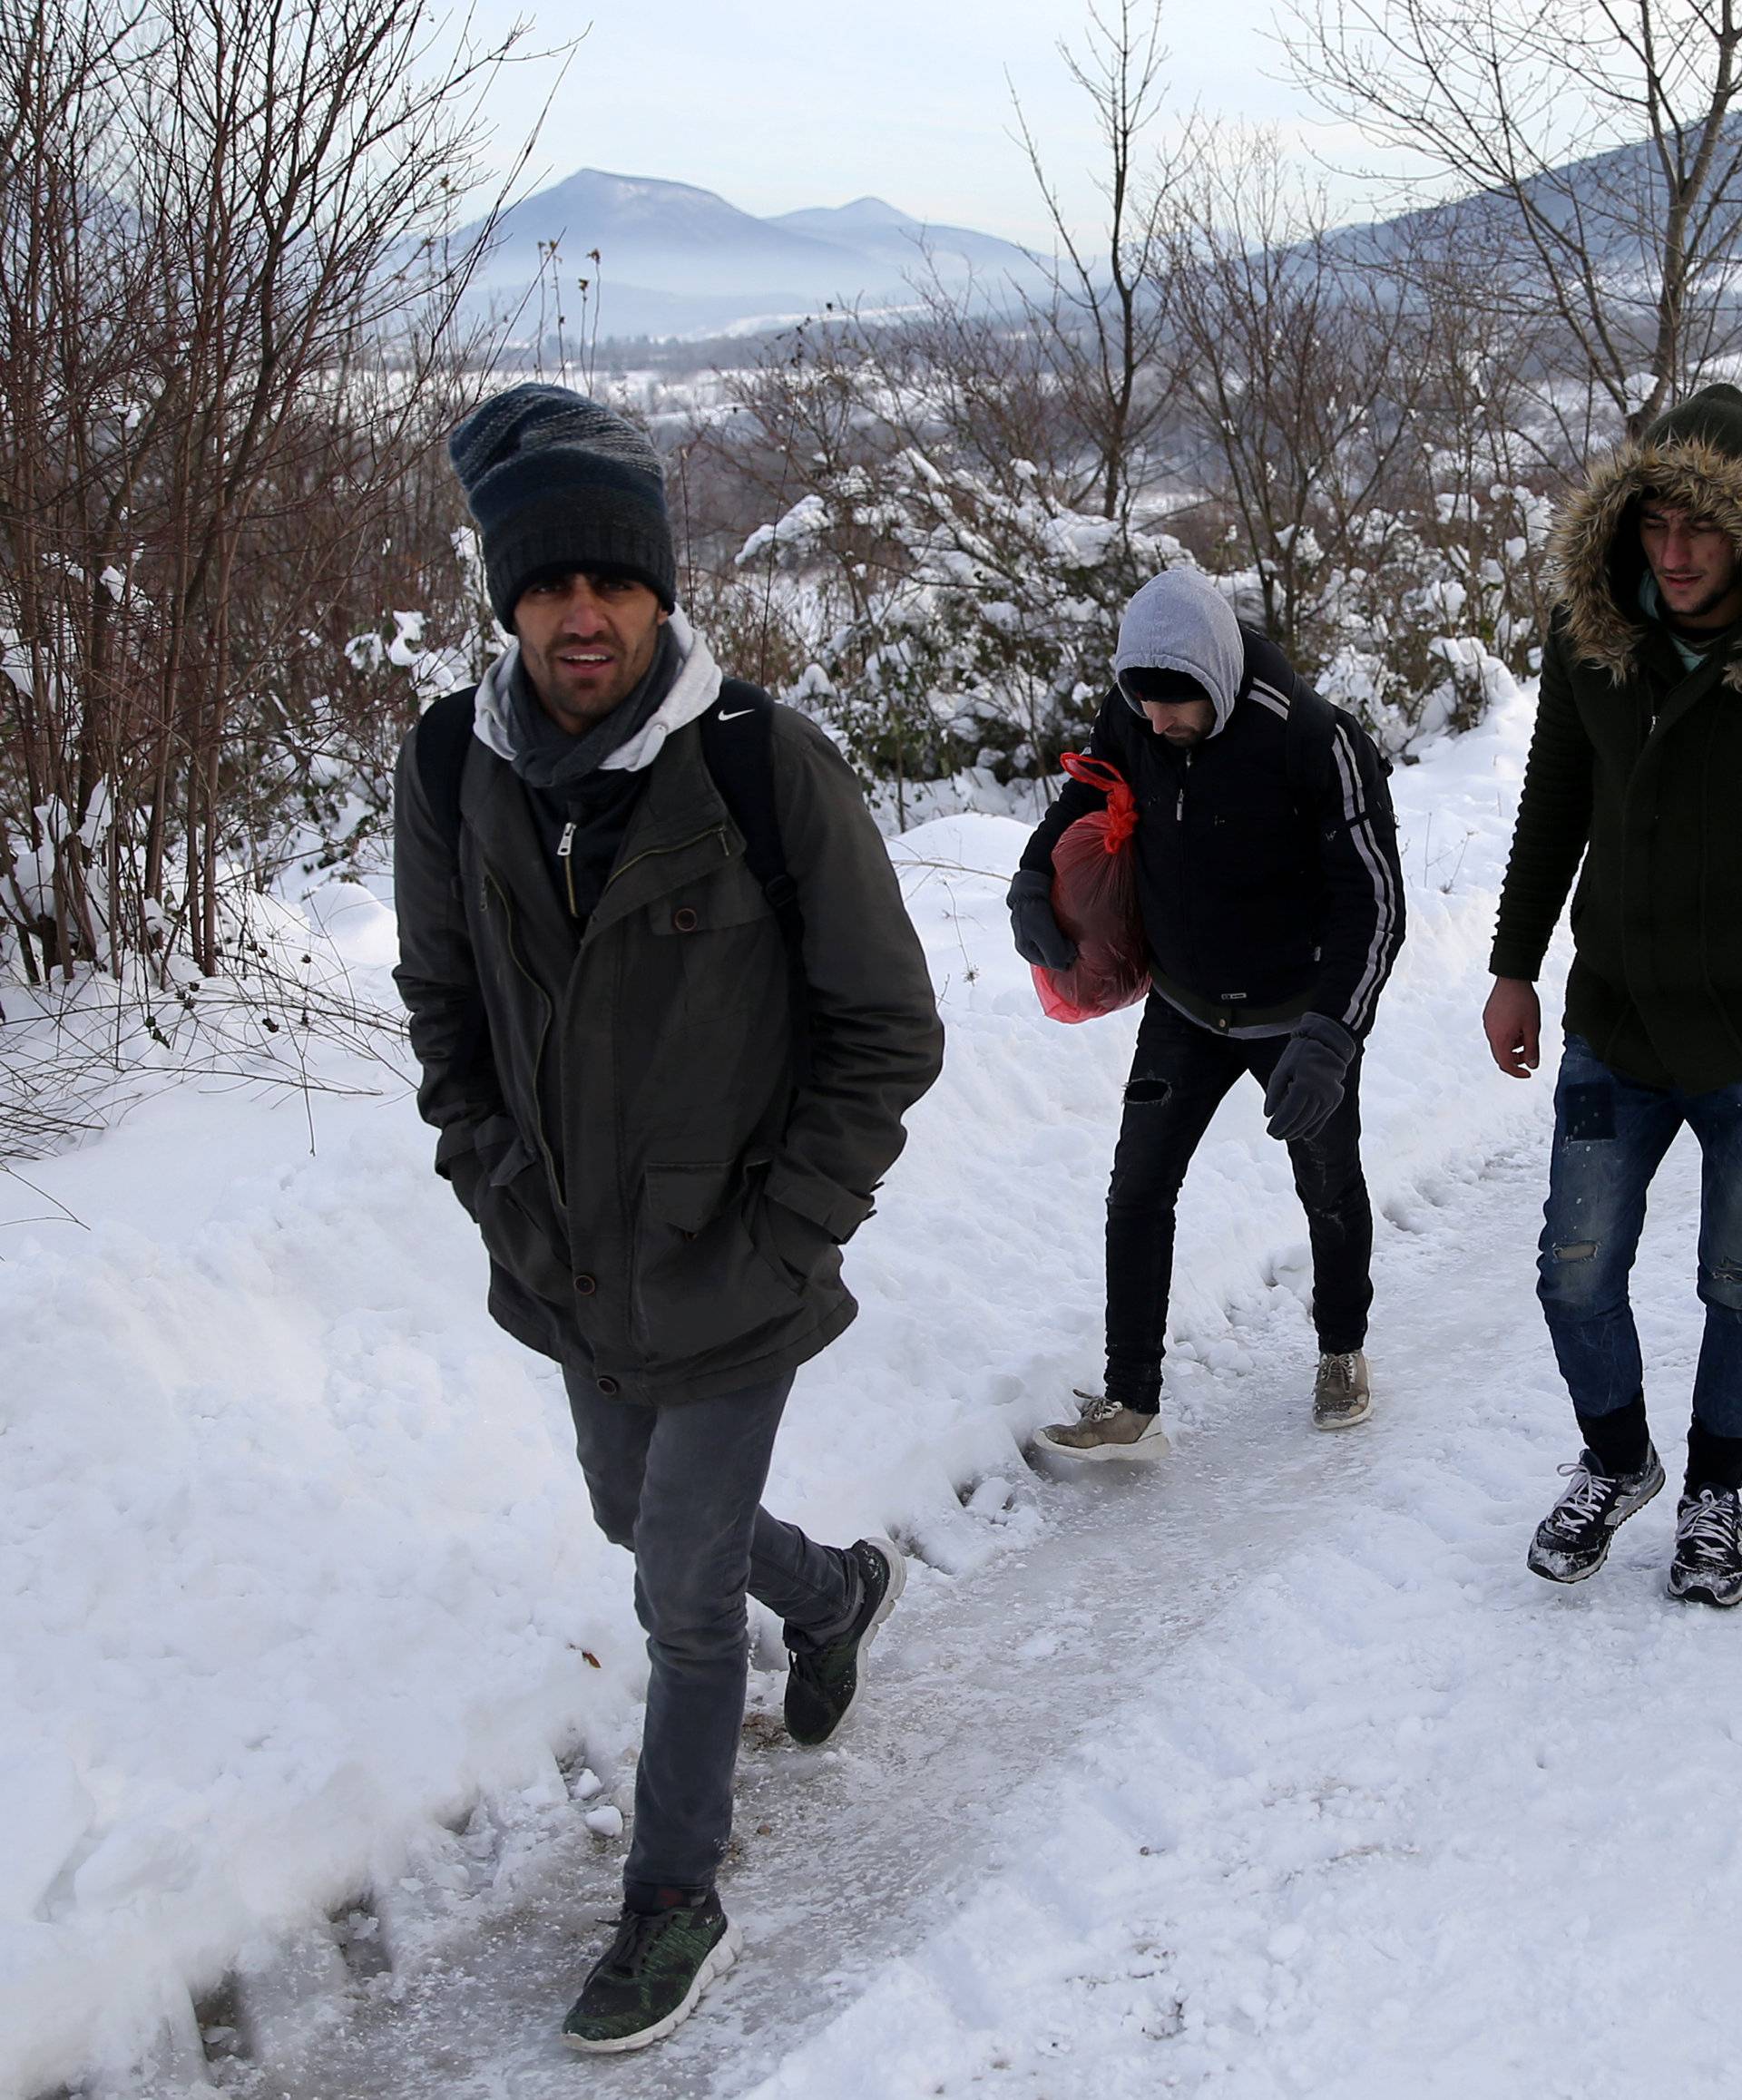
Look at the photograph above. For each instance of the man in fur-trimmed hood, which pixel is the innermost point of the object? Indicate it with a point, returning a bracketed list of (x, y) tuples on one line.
[(1633, 784)]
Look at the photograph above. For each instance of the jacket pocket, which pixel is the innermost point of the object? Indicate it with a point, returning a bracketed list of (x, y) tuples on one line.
[(701, 1278), (520, 1225)]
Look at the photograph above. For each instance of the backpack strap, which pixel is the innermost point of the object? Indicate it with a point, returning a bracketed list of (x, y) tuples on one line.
[(1308, 710), (443, 734), (738, 746)]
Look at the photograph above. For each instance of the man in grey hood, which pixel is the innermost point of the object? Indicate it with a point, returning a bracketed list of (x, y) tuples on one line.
[(1272, 903), (670, 1013)]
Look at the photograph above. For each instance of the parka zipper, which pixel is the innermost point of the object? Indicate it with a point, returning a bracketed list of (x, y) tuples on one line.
[(1185, 864), (628, 1200), (543, 1034), (565, 854)]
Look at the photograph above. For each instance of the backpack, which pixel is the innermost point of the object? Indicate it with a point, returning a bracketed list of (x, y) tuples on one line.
[(1371, 762), (741, 762)]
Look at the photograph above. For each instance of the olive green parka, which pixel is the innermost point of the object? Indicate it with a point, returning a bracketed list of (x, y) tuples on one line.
[(1634, 782), (661, 1199)]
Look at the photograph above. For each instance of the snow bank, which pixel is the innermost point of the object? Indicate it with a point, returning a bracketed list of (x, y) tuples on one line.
[(299, 1565)]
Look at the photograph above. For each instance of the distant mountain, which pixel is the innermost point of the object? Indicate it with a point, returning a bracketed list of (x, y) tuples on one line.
[(874, 228), (675, 260), (1613, 199)]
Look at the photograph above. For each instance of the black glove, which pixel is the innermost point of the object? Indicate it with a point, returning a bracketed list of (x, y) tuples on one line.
[(1038, 935), (1308, 1083)]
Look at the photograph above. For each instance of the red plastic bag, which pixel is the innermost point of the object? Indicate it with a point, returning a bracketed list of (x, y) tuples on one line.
[(1094, 900)]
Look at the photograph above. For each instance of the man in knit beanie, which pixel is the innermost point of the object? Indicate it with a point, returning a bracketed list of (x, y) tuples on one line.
[(1633, 784), (670, 1013)]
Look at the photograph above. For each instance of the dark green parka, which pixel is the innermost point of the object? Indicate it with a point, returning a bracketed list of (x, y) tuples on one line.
[(660, 1201), (1635, 772)]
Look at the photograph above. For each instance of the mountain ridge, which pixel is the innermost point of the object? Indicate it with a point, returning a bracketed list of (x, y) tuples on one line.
[(674, 258)]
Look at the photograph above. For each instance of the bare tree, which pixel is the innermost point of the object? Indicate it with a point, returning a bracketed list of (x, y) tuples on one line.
[(1102, 333), (1596, 147), (1303, 373), (227, 307)]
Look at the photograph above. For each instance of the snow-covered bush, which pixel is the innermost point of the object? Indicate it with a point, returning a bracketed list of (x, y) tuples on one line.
[(958, 623)]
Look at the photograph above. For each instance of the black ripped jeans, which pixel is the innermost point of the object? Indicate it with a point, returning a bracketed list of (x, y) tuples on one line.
[(1179, 1077)]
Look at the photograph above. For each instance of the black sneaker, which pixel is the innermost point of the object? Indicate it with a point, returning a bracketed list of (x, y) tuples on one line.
[(648, 1980), (1572, 1540), (823, 1684), (1708, 1567)]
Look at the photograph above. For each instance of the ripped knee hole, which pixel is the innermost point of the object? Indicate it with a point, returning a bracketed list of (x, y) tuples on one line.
[(1147, 1093), (1720, 1283)]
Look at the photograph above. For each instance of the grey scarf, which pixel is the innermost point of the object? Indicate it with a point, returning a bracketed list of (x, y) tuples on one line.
[(549, 757)]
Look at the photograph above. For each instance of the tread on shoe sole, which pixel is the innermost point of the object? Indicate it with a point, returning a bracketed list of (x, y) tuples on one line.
[(897, 1561), (720, 1958), (1346, 1420)]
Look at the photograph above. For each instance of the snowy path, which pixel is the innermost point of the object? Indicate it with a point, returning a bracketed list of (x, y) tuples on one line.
[(1270, 1772), (302, 1595)]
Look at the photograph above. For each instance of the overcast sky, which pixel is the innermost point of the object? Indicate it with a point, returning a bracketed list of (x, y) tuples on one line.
[(781, 103)]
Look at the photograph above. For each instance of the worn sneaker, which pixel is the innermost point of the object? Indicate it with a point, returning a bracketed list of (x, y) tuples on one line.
[(1573, 1539), (823, 1684), (1707, 1565), (1106, 1429), (649, 1980), (1342, 1395)]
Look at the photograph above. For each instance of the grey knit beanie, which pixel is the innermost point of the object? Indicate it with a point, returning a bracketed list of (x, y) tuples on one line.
[(556, 482)]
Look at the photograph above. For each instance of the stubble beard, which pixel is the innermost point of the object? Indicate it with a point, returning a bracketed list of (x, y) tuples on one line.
[(1693, 615), (576, 713)]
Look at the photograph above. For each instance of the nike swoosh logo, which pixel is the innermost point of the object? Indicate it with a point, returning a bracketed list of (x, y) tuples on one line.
[(736, 713)]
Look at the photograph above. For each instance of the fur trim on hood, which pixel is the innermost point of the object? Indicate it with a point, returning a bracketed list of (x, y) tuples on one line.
[(1595, 561), (693, 692)]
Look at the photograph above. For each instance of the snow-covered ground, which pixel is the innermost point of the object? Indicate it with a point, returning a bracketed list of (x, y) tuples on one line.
[(313, 1666), (1396, 1817)]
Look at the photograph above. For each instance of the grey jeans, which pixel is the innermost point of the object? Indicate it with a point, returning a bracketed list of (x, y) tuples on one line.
[(682, 1486)]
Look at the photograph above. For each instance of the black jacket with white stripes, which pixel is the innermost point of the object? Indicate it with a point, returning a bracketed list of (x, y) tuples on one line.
[(1266, 856)]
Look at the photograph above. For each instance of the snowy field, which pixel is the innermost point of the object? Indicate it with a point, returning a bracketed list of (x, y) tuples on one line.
[(1270, 1772)]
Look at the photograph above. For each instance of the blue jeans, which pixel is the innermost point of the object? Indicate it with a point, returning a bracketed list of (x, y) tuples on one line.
[(1610, 1134)]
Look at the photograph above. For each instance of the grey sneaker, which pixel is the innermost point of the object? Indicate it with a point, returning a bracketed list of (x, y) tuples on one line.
[(1708, 1567), (1342, 1395), (1107, 1429), (1573, 1541)]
